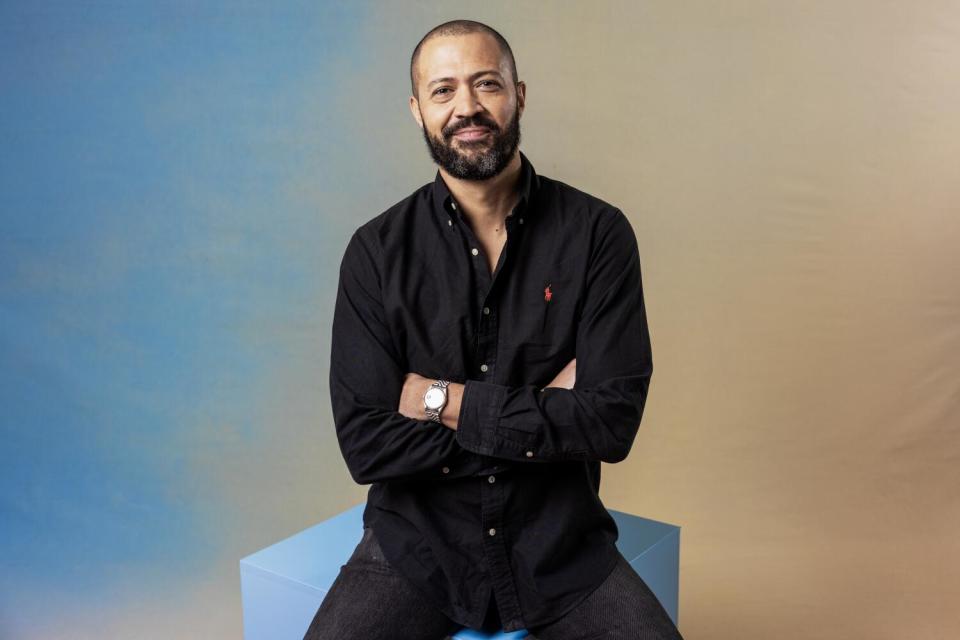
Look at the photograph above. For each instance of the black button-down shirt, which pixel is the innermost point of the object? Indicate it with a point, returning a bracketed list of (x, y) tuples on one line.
[(506, 506)]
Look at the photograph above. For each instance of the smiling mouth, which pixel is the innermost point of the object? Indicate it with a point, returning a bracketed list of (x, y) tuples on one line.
[(471, 134)]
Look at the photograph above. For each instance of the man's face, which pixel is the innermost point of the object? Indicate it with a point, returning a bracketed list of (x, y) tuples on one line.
[(468, 105)]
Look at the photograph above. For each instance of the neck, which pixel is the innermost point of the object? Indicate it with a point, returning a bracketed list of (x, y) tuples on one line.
[(486, 203)]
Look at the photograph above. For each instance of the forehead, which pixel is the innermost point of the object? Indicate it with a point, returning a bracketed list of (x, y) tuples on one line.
[(460, 55)]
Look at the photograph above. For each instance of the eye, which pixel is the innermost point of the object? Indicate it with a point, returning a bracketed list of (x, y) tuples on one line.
[(489, 82), (436, 92)]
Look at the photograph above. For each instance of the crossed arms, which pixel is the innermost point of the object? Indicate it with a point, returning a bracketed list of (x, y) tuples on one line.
[(378, 408), (415, 386)]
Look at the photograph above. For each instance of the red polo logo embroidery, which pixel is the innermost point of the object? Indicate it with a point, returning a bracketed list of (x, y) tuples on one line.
[(547, 294)]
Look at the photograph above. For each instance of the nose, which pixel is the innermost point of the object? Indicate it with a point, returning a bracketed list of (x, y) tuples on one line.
[(466, 103)]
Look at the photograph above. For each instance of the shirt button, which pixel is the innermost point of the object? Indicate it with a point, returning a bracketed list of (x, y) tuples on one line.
[(484, 367), (474, 251), (486, 311), (449, 222), (521, 220), (529, 454), (492, 532), (453, 205), (492, 479), (446, 469)]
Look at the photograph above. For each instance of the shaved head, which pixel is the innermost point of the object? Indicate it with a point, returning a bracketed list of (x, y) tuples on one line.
[(458, 28)]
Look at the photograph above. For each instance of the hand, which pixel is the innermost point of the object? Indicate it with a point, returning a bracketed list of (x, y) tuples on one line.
[(411, 396), (567, 376)]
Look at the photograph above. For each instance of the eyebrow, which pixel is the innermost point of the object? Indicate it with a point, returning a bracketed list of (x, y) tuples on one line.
[(472, 76)]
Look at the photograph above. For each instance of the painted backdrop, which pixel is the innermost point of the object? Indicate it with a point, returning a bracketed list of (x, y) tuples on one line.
[(177, 184)]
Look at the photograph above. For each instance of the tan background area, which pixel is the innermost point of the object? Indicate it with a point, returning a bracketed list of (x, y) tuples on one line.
[(791, 172)]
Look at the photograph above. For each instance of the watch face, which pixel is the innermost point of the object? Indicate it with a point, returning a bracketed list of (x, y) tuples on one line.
[(434, 398)]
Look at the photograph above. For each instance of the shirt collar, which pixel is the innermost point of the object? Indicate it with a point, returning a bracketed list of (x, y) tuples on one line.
[(529, 183)]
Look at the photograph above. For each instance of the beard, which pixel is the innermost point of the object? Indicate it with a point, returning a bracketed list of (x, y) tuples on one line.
[(475, 159)]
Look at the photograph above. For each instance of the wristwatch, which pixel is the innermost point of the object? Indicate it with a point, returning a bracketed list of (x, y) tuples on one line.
[(435, 399)]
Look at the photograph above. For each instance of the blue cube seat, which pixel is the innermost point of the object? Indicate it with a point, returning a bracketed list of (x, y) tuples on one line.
[(283, 585), (473, 634)]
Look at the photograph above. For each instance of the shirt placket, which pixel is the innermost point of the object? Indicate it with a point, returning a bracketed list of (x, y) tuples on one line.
[(495, 546), (485, 360)]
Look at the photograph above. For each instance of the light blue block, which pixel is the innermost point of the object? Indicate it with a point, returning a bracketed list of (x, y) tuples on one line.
[(473, 634), (283, 585)]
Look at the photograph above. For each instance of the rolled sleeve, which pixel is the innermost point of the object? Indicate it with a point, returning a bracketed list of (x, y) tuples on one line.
[(479, 414)]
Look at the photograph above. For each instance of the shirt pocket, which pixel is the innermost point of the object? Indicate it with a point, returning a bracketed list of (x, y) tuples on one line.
[(538, 364), (555, 312), (544, 337)]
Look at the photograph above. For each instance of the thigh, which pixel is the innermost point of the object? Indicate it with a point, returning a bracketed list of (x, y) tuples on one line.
[(370, 600), (622, 608)]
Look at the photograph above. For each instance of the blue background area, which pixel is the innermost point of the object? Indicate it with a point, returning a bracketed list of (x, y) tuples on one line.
[(149, 222)]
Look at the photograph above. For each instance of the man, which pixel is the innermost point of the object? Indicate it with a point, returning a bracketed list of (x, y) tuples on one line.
[(490, 349)]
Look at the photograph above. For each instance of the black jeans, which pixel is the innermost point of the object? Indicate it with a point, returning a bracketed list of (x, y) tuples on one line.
[(370, 600)]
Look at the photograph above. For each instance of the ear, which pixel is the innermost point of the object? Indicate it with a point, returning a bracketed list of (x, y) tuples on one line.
[(521, 96), (415, 111)]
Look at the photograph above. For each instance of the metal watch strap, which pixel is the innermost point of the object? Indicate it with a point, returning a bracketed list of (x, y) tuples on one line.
[(434, 414)]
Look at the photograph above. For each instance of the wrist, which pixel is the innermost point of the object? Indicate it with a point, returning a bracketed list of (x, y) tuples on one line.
[(450, 415)]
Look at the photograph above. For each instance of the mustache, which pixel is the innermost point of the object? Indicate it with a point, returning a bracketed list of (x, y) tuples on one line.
[(473, 122)]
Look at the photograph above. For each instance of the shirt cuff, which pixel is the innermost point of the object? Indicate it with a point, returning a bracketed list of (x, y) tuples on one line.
[(479, 412)]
